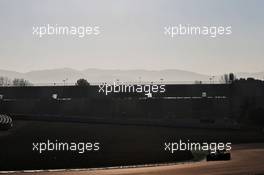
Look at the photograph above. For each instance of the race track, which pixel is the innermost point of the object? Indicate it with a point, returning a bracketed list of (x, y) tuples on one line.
[(246, 159)]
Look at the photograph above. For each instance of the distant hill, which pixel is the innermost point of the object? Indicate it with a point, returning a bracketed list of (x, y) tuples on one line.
[(105, 75)]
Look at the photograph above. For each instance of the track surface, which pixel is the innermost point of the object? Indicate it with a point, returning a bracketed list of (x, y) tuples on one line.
[(246, 159)]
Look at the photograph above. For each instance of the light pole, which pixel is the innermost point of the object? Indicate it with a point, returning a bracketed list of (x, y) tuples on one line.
[(161, 80), (64, 81), (212, 79)]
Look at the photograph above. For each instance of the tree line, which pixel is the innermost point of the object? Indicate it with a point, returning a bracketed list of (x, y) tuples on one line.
[(5, 81)]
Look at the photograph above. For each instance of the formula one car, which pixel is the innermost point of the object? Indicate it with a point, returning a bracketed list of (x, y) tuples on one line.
[(218, 155)]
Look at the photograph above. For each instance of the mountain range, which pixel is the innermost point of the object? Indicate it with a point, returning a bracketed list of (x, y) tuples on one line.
[(69, 75)]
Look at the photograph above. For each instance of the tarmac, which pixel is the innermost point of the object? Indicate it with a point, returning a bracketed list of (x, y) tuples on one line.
[(246, 159)]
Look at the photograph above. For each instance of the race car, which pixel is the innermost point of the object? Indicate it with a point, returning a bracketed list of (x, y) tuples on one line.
[(218, 155)]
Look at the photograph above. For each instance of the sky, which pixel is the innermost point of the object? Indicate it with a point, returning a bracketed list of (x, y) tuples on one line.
[(132, 35)]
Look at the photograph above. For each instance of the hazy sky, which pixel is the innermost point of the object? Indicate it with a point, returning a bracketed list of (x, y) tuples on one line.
[(132, 35)]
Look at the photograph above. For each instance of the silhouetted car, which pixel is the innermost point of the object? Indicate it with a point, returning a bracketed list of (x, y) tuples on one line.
[(218, 155)]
